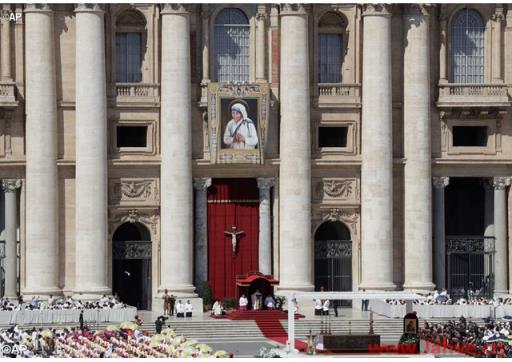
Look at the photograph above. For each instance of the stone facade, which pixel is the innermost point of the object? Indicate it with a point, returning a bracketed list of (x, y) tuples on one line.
[(61, 109)]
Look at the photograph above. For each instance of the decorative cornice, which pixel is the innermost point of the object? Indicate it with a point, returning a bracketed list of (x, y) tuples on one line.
[(500, 182), (202, 183), (89, 8), (11, 185), (265, 183), (418, 9), (175, 9), (376, 10), (37, 8), (440, 182), (293, 9)]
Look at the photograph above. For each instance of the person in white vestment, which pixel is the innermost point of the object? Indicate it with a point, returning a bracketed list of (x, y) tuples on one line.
[(188, 309), (240, 132)]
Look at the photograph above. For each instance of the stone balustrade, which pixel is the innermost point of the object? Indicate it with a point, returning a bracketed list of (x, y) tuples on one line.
[(8, 94), (136, 90), (473, 94), (337, 94)]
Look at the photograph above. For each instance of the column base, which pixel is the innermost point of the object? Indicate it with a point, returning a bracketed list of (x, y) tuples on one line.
[(419, 286), (295, 288), (43, 293), (179, 290), (369, 286), (501, 293)]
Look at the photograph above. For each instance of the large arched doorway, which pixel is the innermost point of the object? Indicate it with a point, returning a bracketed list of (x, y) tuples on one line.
[(131, 274), (333, 257)]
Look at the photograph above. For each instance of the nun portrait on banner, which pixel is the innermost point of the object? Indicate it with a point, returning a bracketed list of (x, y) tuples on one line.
[(240, 133)]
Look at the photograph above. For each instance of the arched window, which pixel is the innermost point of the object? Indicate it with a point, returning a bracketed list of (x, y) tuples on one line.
[(330, 48), (467, 47), (231, 49), (130, 31)]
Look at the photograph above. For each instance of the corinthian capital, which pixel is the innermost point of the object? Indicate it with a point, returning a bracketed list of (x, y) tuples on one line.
[(175, 9), (440, 182), (500, 182), (377, 10), (265, 183), (37, 7), (89, 8), (202, 183), (11, 185), (499, 15), (293, 9), (418, 9)]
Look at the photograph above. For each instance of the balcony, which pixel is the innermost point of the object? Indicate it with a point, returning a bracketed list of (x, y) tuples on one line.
[(473, 95), (136, 94), (8, 94), (338, 95)]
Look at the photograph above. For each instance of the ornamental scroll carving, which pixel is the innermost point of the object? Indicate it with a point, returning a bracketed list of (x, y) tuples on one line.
[(134, 190), (337, 190), (147, 217), (347, 216)]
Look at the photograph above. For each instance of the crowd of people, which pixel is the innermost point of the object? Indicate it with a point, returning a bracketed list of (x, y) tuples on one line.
[(489, 340), (60, 303), (443, 298), (125, 340)]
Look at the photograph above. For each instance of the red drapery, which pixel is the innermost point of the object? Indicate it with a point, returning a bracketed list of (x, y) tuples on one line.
[(231, 202)]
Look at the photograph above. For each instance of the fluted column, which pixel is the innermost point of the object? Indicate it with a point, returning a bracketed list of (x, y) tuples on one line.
[(417, 170), (260, 43), (488, 217), (439, 184), (10, 187), (500, 233), (201, 185), (176, 167), (377, 158), (91, 226), (6, 45), (296, 269), (205, 40), (42, 244), (265, 237), (498, 18)]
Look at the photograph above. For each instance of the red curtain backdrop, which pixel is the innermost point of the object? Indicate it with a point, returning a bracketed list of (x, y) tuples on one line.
[(231, 202)]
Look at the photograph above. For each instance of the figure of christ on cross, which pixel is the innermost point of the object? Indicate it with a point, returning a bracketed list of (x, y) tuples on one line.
[(234, 237)]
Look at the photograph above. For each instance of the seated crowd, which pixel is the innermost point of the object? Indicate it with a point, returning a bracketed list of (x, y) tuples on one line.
[(444, 298), (489, 340), (61, 303), (125, 340)]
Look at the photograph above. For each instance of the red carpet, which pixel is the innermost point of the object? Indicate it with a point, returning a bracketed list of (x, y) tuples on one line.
[(269, 323)]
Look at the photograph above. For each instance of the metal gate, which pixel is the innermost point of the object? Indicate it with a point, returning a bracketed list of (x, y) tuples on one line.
[(470, 264), (333, 265)]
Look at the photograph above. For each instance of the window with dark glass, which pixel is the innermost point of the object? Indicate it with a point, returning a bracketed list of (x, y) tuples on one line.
[(332, 137), (132, 136), (469, 136), (331, 29), (130, 47)]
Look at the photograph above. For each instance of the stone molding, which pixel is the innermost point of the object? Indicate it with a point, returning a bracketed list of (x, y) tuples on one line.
[(293, 9), (175, 9), (500, 182), (347, 216), (147, 217), (30, 8), (202, 183), (265, 183), (11, 185), (440, 182), (418, 9), (376, 10), (89, 8)]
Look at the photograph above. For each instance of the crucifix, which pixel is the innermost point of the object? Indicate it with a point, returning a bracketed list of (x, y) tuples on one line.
[(234, 237)]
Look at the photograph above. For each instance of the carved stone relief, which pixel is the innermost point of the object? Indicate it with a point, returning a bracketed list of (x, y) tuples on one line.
[(127, 190), (339, 190)]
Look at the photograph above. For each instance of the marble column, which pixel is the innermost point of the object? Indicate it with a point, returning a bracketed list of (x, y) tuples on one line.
[(498, 18), (5, 66), (91, 219), (260, 43), (42, 240), (377, 158), (10, 187), (205, 40), (488, 218), (443, 42), (201, 185), (439, 184), (500, 233), (296, 251), (265, 236), (417, 133), (176, 148)]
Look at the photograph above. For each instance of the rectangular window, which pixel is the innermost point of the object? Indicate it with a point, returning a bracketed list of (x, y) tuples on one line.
[(132, 136), (329, 59), (128, 57), (470, 136), (332, 137)]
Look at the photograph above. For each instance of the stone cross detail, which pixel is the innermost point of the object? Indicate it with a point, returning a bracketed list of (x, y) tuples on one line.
[(234, 237)]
